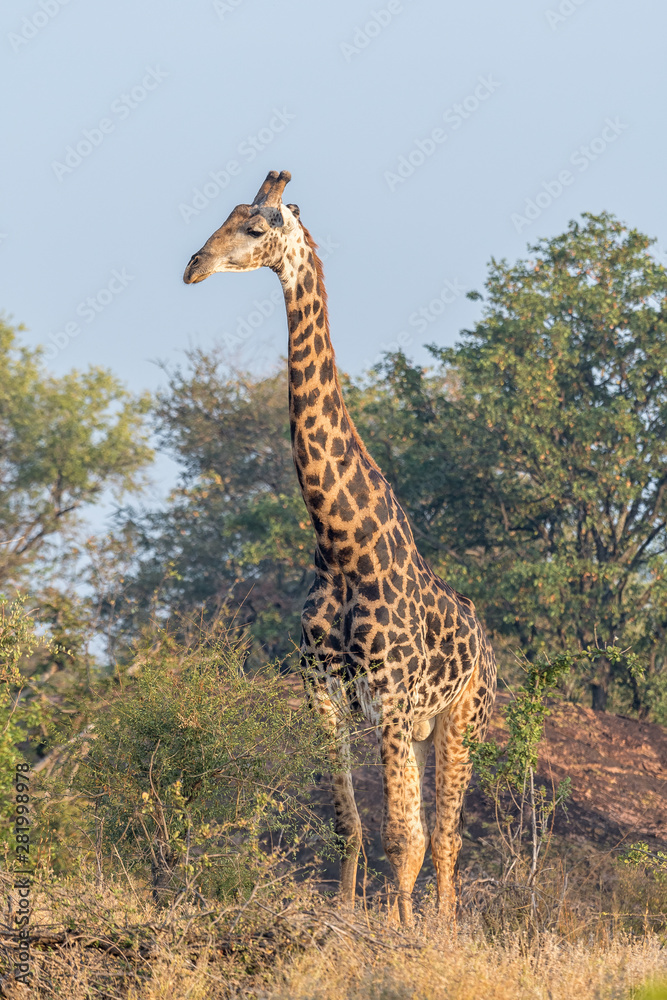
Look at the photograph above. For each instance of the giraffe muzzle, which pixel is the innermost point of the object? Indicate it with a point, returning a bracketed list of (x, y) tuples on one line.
[(195, 271)]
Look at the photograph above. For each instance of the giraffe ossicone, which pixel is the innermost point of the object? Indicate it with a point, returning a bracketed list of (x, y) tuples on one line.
[(381, 632)]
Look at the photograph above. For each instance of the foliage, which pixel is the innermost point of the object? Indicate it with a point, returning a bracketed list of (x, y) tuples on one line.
[(527, 711), (192, 759), (18, 638), (235, 529), (640, 855), (63, 442), (20, 717), (533, 461), (507, 773)]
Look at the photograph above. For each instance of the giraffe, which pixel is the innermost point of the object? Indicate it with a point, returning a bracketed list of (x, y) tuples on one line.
[(381, 632)]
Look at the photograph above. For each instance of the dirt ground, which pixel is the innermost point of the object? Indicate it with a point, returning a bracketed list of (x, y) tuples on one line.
[(618, 769)]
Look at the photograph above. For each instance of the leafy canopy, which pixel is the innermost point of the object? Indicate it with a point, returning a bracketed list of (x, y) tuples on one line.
[(63, 441), (534, 459)]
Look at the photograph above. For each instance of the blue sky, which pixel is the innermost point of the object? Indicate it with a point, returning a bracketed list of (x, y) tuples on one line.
[(417, 134)]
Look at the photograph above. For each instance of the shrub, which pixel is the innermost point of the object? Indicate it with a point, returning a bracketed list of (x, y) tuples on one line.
[(524, 809), (193, 759)]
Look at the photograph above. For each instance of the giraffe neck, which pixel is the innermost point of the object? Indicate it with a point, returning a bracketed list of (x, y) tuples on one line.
[(328, 452)]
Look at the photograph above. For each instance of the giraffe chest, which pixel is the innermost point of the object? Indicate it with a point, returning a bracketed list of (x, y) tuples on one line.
[(395, 637)]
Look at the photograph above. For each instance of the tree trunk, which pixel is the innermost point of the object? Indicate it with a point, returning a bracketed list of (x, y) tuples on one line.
[(162, 870), (599, 694)]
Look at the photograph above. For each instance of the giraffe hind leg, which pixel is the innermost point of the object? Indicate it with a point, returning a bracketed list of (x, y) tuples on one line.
[(452, 777)]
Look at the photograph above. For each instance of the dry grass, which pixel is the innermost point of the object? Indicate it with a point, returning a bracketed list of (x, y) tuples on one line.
[(470, 968), (109, 941)]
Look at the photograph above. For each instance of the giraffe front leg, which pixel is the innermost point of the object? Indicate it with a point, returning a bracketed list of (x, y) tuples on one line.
[(405, 835), (347, 824)]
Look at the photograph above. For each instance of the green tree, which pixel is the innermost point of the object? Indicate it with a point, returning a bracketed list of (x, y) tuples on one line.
[(533, 461), (191, 759), (63, 442), (235, 529)]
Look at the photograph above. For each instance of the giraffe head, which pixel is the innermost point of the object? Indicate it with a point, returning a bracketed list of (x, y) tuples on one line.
[(253, 236)]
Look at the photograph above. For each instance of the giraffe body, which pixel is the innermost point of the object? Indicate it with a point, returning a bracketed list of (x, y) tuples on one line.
[(381, 632)]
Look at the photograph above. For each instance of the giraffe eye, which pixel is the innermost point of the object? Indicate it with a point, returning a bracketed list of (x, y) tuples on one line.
[(255, 232)]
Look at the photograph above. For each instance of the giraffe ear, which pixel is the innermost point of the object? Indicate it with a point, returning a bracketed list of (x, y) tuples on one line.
[(294, 209)]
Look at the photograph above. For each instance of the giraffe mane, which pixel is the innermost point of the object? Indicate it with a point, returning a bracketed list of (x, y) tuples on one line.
[(319, 270)]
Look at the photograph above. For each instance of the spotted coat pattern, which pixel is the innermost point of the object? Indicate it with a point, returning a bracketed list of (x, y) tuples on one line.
[(381, 632)]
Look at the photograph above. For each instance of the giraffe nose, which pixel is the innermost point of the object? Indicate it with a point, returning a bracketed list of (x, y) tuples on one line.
[(191, 274)]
